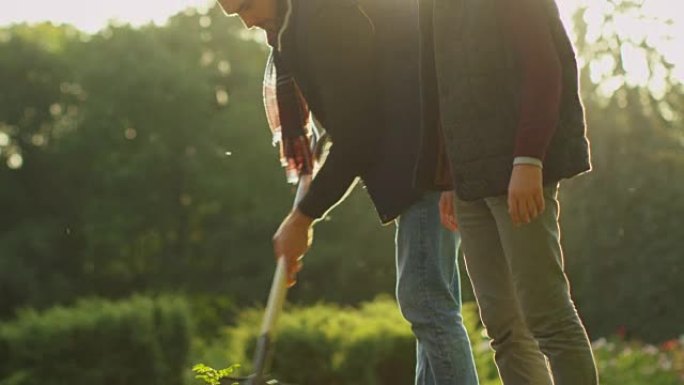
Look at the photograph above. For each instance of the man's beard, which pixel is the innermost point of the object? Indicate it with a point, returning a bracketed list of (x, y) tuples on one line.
[(269, 26)]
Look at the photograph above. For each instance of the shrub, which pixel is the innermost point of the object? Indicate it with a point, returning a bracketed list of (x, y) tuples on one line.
[(624, 362), (333, 345), (373, 345), (138, 341)]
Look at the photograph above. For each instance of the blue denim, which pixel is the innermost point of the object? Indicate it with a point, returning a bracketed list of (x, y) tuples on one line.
[(429, 296)]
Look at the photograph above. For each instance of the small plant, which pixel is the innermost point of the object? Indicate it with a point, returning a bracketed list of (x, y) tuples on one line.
[(211, 376)]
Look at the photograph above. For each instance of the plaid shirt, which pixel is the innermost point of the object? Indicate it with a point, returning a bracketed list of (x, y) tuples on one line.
[(286, 109)]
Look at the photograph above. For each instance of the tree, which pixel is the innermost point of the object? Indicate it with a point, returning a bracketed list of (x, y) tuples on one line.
[(623, 228)]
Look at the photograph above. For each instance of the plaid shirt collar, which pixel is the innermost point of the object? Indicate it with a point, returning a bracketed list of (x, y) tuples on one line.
[(287, 112)]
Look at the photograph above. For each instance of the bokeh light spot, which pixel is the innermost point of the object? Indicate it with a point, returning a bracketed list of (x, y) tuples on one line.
[(130, 133), (4, 139), (221, 96), (15, 161), (205, 21), (224, 67), (38, 140)]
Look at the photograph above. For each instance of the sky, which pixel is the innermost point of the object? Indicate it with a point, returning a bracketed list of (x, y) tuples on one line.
[(90, 15), (93, 15)]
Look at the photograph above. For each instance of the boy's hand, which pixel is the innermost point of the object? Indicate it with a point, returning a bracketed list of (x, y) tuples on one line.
[(291, 241), (525, 193), (447, 214)]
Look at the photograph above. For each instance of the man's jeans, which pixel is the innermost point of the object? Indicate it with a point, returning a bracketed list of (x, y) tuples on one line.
[(523, 294), (428, 292)]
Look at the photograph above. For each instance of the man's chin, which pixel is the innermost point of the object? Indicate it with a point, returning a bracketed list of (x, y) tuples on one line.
[(268, 26)]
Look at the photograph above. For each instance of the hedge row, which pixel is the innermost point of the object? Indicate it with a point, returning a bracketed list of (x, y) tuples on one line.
[(140, 341), (373, 345), (333, 345), (144, 341)]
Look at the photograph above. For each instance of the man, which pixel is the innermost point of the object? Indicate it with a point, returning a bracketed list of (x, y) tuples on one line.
[(502, 76), (355, 65)]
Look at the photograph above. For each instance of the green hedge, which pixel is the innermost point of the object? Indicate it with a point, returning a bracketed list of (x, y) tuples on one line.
[(373, 345), (624, 362), (333, 345), (140, 341)]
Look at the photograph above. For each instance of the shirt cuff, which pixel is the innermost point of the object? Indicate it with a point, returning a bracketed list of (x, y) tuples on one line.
[(528, 160)]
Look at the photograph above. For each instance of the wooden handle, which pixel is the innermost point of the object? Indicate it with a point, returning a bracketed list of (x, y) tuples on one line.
[(274, 306), (304, 182), (276, 297)]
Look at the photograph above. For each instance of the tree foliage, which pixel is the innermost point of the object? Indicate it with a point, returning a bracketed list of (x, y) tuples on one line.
[(139, 160), (624, 228)]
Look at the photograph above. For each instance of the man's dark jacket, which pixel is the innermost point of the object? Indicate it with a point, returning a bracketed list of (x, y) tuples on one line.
[(357, 67)]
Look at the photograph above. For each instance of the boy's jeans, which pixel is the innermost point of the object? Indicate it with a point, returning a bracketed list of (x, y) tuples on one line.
[(428, 292)]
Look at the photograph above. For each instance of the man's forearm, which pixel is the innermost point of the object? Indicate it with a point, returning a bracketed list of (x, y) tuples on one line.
[(533, 44), (329, 186)]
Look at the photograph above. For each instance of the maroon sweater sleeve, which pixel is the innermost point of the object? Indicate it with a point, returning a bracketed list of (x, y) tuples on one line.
[(531, 38)]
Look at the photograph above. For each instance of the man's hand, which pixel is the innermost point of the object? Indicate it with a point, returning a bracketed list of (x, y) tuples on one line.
[(446, 210), (525, 193), (291, 241)]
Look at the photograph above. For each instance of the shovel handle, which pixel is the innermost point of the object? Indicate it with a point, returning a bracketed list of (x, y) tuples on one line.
[(302, 188), (276, 298)]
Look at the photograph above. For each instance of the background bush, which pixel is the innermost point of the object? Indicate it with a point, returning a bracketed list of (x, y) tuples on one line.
[(329, 344), (140, 341), (623, 362), (373, 345), (145, 341)]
